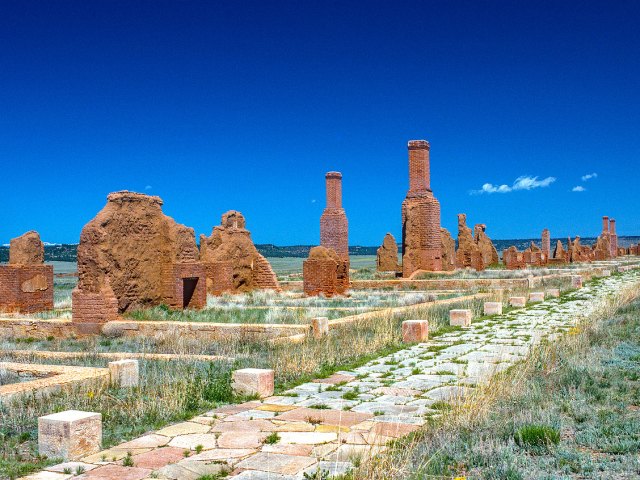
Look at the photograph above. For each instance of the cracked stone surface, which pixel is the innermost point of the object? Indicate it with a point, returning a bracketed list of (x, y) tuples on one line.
[(328, 423)]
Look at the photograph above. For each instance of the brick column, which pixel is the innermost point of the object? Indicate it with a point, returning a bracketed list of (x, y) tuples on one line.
[(334, 227), (419, 175), (614, 237), (546, 243), (605, 224)]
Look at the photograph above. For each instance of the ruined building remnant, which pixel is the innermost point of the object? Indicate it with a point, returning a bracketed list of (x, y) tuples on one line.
[(468, 253), (559, 254), (131, 255), (613, 237), (334, 227), (487, 249), (26, 283), (421, 236), (325, 272), (231, 260), (602, 250), (387, 255), (546, 243), (448, 249)]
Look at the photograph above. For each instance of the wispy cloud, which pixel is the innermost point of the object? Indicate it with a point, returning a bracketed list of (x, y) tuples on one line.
[(525, 182), (579, 188), (589, 176)]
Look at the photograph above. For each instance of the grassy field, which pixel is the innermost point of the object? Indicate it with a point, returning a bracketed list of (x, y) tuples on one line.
[(179, 389), (572, 411)]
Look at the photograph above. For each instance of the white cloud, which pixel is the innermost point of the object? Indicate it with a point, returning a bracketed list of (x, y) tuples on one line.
[(579, 188), (148, 187), (525, 182), (589, 176)]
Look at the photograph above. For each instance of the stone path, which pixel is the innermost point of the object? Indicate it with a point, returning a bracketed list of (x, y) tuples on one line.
[(332, 423)]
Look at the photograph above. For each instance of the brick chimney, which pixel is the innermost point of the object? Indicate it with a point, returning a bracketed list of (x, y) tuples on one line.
[(605, 224), (612, 226), (419, 176), (334, 189)]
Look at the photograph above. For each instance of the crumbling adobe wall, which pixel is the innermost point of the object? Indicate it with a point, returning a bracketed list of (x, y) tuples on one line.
[(26, 249), (468, 253), (513, 259), (387, 255), (133, 252), (421, 237), (579, 252), (26, 284), (534, 256), (231, 242), (485, 245), (546, 243), (559, 254), (324, 272), (448, 249)]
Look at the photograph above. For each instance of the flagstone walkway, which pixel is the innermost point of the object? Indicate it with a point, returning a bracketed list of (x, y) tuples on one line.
[(331, 423)]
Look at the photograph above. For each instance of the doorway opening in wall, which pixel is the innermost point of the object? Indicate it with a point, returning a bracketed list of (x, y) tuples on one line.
[(188, 289)]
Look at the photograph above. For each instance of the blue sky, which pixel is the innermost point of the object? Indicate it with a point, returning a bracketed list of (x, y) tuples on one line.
[(245, 105)]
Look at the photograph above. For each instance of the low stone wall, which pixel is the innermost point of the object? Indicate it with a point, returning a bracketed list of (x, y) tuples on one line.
[(35, 328), (201, 330), (51, 379), (29, 355), (430, 284)]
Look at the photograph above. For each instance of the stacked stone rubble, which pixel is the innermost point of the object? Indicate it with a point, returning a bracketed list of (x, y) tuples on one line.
[(421, 236), (26, 283)]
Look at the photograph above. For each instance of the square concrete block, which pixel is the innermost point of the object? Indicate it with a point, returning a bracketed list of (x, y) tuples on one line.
[(414, 331), (460, 318), (492, 308), (553, 292), (320, 326), (576, 281), (517, 302), (124, 373), (252, 381), (536, 297), (70, 435)]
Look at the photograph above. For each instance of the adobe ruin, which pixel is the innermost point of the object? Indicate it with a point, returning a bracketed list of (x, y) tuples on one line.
[(485, 245), (325, 272), (602, 248), (513, 259), (560, 255), (131, 255), (231, 260), (421, 236), (387, 255), (448, 249), (26, 283), (334, 227), (468, 253)]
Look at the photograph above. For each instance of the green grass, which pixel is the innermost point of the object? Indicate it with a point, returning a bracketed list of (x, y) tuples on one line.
[(573, 413)]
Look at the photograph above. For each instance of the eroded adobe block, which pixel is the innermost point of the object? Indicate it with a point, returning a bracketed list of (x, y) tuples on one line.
[(125, 373), (460, 317), (253, 381), (517, 302), (492, 308), (320, 326), (536, 297), (576, 281), (553, 292), (414, 331), (70, 435)]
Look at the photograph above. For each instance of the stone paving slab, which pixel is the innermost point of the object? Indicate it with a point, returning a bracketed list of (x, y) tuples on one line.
[(388, 398)]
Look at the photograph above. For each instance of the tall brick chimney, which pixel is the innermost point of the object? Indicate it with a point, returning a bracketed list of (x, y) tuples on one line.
[(605, 224), (334, 227), (421, 235), (546, 243), (614, 237), (419, 175), (334, 189)]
